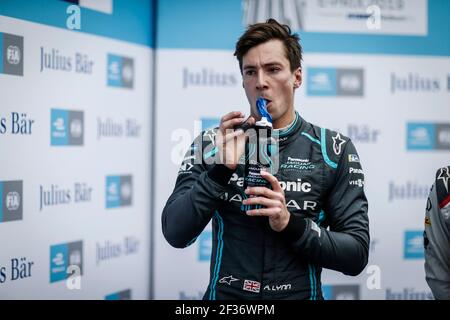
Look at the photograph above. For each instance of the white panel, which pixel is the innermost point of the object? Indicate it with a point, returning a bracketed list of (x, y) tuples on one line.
[(40, 165)]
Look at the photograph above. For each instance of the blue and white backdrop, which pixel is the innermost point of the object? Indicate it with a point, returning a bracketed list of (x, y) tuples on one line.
[(100, 99)]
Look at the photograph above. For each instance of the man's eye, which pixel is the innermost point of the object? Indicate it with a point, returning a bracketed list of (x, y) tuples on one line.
[(249, 72), (274, 69)]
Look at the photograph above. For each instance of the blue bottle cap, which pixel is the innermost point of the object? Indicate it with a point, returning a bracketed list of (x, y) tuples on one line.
[(266, 118)]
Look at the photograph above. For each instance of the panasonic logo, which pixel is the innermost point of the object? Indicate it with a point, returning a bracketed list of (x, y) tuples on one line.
[(296, 186), (354, 170)]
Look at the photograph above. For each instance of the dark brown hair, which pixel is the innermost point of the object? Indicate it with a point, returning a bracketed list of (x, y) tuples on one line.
[(262, 32)]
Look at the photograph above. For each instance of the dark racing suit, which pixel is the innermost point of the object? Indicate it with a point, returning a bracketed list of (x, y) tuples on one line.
[(320, 173), (437, 236)]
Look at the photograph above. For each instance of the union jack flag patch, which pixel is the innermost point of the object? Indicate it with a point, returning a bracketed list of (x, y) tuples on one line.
[(252, 286)]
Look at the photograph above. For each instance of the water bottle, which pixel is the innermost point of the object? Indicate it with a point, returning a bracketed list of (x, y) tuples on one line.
[(258, 152)]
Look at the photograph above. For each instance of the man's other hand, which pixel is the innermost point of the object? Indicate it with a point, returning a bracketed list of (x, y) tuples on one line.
[(230, 142), (273, 201)]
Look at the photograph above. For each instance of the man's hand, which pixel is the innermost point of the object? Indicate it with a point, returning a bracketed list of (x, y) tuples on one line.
[(231, 143), (273, 200)]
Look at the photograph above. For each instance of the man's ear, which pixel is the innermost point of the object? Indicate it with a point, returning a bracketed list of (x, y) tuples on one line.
[(243, 84), (298, 78)]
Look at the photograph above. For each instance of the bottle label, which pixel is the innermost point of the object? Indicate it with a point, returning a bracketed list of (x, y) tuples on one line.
[(258, 156)]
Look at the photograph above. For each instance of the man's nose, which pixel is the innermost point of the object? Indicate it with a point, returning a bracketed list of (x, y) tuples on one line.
[(261, 81)]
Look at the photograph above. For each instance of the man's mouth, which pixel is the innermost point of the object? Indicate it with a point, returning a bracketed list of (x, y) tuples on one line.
[(267, 101)]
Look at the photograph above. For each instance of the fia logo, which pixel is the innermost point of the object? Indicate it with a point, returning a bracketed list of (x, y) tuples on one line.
[(11, 201), (11, 54)]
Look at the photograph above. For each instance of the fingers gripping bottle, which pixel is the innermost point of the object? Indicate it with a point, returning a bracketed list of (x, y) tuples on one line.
[(258, 152)]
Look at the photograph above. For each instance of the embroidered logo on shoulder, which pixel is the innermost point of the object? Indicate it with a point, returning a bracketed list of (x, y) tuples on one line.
[(337, 143), (210, 135), (353, 158), (444, 175), (185, 168)]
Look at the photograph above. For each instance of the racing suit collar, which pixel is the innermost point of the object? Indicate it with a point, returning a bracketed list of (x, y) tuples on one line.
[(283, 135)]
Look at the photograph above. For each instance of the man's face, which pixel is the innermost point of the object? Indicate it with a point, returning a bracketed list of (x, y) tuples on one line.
[(266, 73)]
